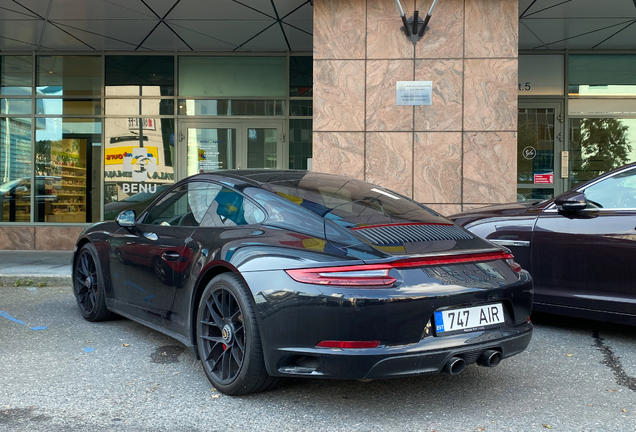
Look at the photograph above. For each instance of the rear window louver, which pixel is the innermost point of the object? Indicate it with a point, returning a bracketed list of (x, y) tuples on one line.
[(411, 233)]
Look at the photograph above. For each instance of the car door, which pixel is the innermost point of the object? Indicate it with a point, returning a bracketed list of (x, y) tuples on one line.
[(585, 259), (229, 223), (150, 261)]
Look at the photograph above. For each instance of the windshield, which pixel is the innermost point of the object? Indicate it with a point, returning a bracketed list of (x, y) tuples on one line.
[(351, 203)]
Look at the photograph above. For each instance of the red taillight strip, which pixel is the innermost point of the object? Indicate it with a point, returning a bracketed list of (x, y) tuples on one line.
[(453, 259), (400, 224), (321, 276), (348, 344)]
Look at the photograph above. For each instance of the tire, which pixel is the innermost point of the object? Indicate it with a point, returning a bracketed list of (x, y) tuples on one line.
[(228, 340), (88, 285)]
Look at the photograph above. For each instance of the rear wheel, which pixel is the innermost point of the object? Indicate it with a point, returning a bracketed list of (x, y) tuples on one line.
[(88, 285), (228, 339)]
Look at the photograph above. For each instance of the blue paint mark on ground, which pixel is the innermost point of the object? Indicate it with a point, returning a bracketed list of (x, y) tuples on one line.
[(89, 350), (150, 297), (17, 321), (10, 318), (135, 286)]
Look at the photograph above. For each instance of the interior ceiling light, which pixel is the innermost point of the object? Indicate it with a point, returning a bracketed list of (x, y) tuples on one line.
[(412, 28)]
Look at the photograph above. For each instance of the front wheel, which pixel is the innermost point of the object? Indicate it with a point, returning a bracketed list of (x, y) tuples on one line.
[(228, 339)]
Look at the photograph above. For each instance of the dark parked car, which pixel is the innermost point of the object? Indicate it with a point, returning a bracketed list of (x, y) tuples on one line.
[(579, 247), (294, 274)]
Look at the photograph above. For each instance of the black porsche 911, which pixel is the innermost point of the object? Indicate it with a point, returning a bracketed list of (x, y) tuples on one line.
[(269, 274)]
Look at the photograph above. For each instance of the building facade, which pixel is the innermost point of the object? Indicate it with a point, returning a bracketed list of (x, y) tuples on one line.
[(103, 104)]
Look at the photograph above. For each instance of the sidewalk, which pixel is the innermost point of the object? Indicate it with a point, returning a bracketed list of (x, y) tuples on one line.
[(51, 268)]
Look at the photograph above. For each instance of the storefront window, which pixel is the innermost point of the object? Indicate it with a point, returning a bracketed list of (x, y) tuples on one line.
[(599, 145), (67, 170), (16, 75), (15, 169), (139, 76), (227, 107), (301, 70), (15, 106), (68, 107), (228, 77), (300, 143), (139, 161), (69, 75), (593, 75)]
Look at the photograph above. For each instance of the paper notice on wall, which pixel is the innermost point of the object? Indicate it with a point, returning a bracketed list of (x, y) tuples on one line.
[(413, 92), (544, 179)]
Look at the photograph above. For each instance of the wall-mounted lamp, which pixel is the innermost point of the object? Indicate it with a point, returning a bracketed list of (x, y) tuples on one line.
[(412, 28)]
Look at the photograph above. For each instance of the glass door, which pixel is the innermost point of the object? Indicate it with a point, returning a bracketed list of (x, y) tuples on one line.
[(214, 145), (211, 147), (263, 147), (539, 146)]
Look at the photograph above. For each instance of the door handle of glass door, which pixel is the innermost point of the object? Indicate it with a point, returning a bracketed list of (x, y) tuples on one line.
[(170, 256)]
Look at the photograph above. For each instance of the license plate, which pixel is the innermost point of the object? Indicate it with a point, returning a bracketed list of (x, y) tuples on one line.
[(469, 319)]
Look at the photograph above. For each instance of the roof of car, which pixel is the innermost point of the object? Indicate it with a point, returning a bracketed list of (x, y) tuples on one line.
[(263, 176)]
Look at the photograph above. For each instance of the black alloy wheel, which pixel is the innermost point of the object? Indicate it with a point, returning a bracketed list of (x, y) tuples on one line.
[(228, 339), (88, 285)]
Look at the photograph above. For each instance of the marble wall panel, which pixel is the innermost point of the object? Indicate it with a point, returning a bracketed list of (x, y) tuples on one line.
[(339, 29), (445, 113), (492, 28), (382, 112), (56, 238), (390, 160), (438, 167), (445, 35), (17, 238), (490, 94), (385, 40), (339, 153), (445, 209), (469, 207), (490, 167), (339, 95)]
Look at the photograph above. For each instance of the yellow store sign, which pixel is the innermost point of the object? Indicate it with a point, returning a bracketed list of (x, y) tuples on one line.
[(116, 155)]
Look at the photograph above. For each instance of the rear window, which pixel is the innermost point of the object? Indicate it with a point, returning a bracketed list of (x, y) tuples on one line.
[(351, 203)]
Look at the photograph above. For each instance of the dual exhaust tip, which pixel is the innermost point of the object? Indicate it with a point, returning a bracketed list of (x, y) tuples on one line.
[(455, 365)]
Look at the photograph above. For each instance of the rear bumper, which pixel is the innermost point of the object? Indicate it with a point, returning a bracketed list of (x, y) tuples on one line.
[(427, 356)]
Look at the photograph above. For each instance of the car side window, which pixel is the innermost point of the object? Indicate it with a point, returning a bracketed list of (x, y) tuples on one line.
[(186, 205), (616, 192), (230, 208)]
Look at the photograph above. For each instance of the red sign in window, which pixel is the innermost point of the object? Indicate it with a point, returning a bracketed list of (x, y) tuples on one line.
[(543, 178)]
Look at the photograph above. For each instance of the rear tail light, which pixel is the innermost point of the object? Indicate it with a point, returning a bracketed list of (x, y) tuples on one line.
[(348, 344), (515, 266), (378, 274), (364, 275)]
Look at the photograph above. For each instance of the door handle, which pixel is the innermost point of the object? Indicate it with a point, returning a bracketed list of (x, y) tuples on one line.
[(170, 256)]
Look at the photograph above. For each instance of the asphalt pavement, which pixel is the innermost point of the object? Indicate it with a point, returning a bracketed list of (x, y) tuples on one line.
[(61, 373)]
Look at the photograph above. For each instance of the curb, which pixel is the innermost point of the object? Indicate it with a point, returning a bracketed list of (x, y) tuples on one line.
[(48, 280)]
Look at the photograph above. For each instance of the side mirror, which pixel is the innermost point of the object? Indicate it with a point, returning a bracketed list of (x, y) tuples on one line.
[(571, 201), (126, 218)]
